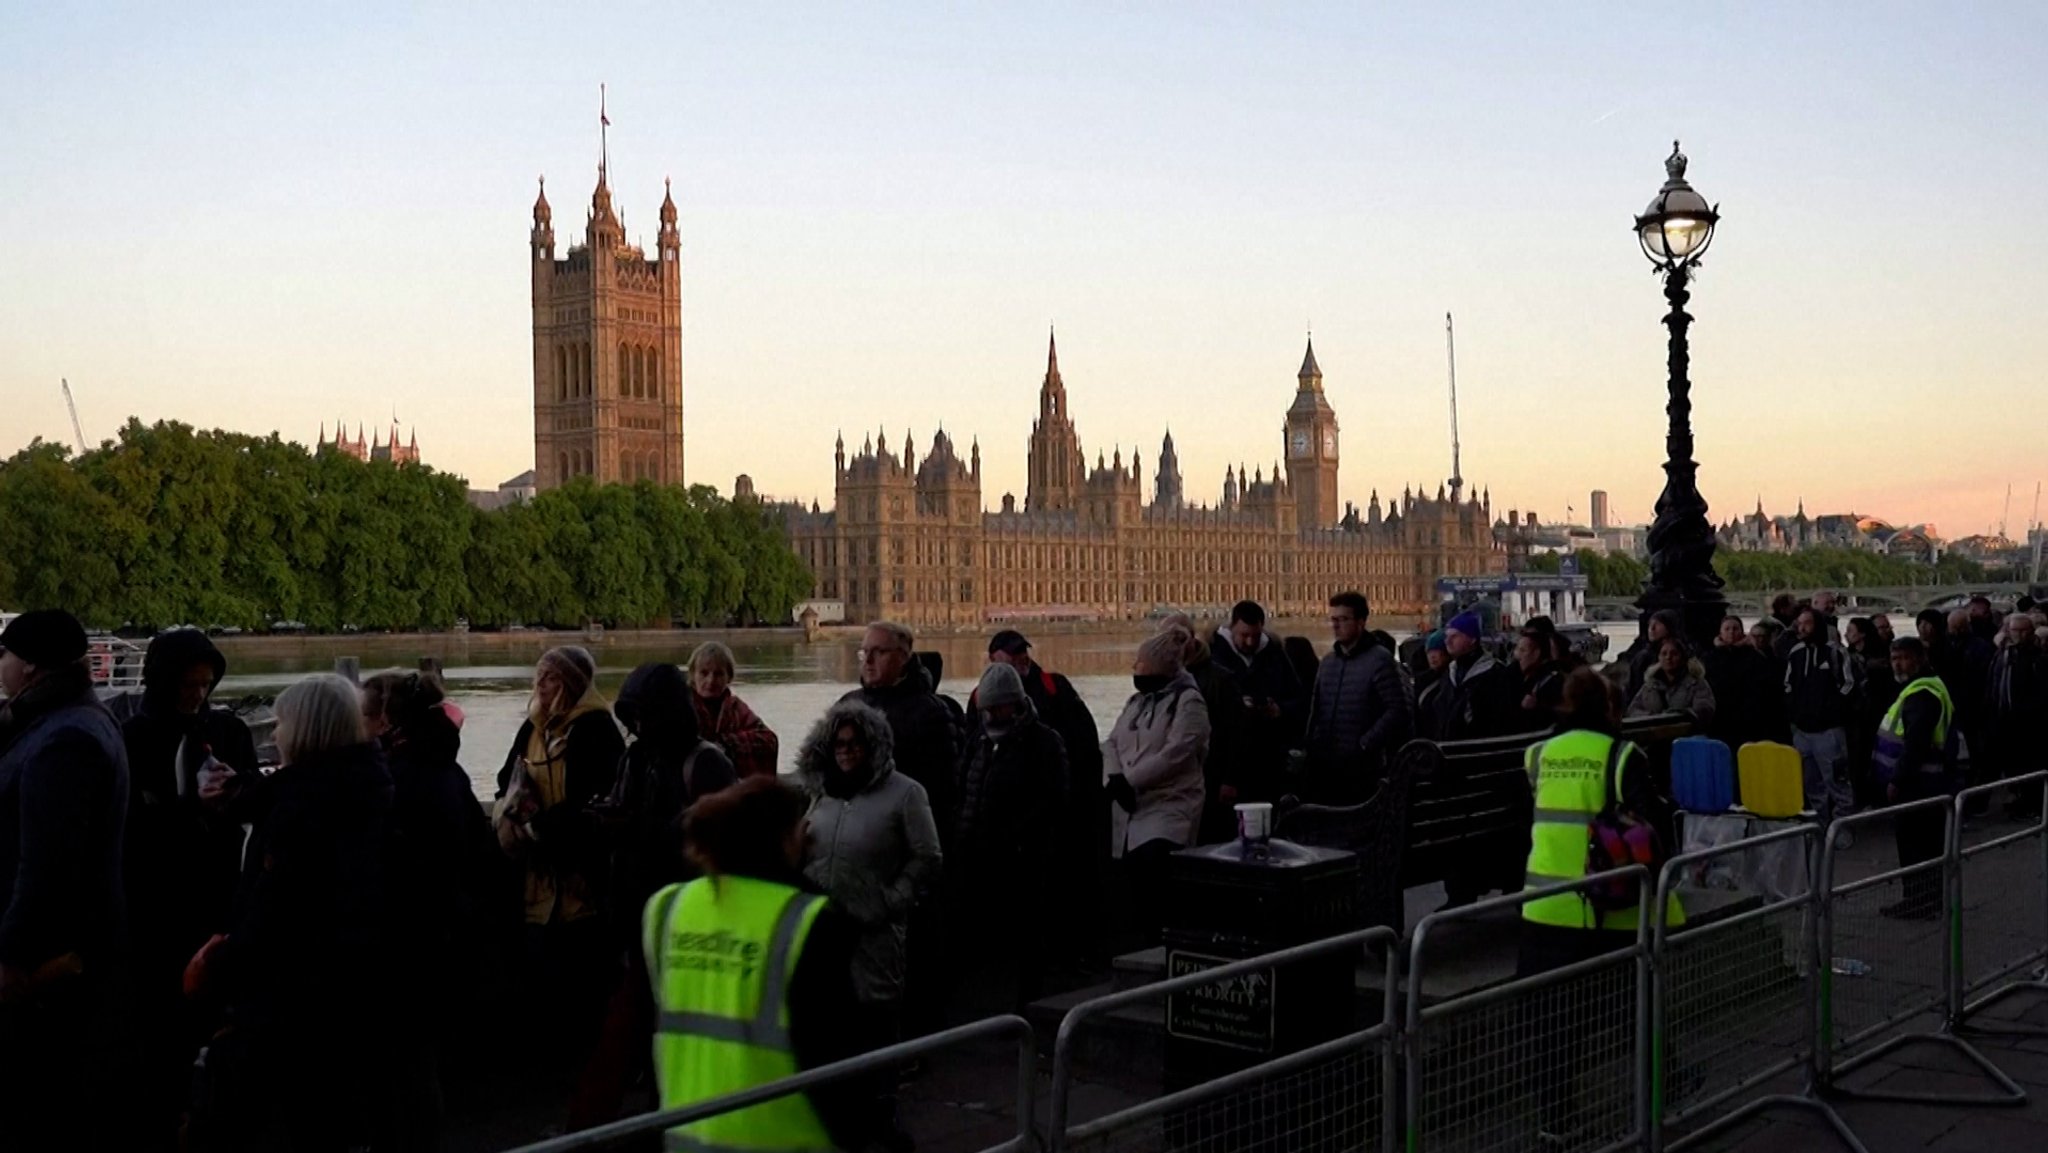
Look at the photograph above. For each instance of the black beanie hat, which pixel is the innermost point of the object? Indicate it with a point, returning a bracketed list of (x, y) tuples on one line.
[(45, 638)]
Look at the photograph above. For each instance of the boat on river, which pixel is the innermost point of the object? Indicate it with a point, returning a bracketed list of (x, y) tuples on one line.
[(1505, 602)]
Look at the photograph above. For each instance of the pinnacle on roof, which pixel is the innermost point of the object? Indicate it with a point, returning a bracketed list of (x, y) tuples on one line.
[(668, 203), (1052, 355), (1309, 369), (542, 213)]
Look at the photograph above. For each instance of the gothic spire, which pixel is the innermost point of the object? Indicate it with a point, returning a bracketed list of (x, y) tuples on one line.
[(1310, 371), (1052, 357)]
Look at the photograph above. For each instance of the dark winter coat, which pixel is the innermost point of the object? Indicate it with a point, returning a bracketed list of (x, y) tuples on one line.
[(1256, 750), (1821, 687), (1542, 693), (1749, 695), (1479, 697), (306, 958), (926, 741), (1359, 713), (63, 799), (2015, 709), (1005, 824), (666, 769), (181, 860), (442, 863)]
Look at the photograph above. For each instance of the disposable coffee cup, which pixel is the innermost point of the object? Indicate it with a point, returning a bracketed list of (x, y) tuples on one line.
[(1254, 822)]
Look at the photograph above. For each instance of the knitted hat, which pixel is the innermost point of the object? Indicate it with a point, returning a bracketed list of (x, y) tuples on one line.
[(1000, 685), (1435, 643), (1465, 622), (45, 638)]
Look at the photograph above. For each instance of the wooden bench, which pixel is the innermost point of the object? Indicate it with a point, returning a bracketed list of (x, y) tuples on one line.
[(1455, 808)]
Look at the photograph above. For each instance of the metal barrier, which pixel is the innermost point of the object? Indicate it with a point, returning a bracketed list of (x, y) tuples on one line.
[(1330, 1096), (2001, 899), (1736, 1003), (1888, 956), (866, 1065), (1564, 1052)]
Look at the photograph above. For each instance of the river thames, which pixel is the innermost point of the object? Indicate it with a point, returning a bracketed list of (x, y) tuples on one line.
[(789, 681)]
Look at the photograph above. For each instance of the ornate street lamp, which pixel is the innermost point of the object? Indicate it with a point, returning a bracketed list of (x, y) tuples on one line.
[(1675, 231)]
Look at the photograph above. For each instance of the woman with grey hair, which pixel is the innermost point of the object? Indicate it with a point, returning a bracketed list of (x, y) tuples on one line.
[(874, 850), (299, 968), (724, 719)]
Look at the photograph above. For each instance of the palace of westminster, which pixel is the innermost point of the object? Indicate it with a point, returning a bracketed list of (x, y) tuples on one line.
[(910, 538)]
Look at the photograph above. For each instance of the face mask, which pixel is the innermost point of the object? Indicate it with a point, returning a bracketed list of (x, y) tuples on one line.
[(1150, 682)]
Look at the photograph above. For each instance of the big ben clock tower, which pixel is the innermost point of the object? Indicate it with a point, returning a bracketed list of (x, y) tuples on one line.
[(1311, 433)]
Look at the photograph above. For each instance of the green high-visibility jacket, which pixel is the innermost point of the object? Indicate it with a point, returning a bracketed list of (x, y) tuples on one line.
[(1570, 775), (721, 952)]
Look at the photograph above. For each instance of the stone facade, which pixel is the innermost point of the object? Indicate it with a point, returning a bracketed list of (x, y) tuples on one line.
[(910, 539), (607, 350)]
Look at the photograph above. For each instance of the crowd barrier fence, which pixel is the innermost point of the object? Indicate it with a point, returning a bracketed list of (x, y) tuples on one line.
[(880, 1062), (1558, 1052), (1736, 1003), (1329, 1096), (1891, 942), (1669, 1035), (2001, 896)]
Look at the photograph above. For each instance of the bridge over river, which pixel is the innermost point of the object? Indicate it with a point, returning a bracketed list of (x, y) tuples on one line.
[(1854, 600)]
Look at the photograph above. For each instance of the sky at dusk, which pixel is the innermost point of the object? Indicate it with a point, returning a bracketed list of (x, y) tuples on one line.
[(266, 217)]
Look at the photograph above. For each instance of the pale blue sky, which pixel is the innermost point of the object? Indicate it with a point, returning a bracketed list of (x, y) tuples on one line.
[(264, 217)]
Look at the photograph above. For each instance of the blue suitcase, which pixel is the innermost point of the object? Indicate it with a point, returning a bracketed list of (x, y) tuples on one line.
[(1702, 775)]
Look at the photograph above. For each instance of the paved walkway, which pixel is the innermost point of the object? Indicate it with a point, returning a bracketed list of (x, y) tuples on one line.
[(1892, 1127)]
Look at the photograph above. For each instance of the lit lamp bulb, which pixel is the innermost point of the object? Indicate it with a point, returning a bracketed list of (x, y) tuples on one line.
[(1679, 223)]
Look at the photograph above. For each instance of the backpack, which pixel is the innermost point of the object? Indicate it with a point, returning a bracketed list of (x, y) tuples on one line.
[(1616, 839)]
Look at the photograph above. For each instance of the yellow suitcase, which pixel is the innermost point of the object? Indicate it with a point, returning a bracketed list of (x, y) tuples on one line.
[(1773, 785)]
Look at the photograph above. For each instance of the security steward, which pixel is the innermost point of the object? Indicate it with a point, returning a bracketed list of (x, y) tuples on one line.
[(752, 973), (1914, 760), (1569, 774)]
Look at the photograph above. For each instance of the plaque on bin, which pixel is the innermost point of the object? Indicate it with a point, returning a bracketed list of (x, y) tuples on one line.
[(1236, 1011)]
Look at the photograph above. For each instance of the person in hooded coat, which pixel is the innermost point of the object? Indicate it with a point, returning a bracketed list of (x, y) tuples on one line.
[(1005, 829), (1081, 863), (303, 969), (564, 757), (666, 770), (1154, 755), (874, 850), (1678, 684), (181, 858)]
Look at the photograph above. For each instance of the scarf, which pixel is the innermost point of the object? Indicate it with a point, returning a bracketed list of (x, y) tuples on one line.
[(551, 892)]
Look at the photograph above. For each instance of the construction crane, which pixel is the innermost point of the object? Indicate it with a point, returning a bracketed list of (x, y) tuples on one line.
[(76, 429)]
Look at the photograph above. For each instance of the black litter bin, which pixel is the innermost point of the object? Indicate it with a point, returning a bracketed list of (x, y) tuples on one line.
[(1228, 902)]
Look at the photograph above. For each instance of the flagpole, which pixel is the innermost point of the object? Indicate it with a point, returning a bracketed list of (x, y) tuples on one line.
[(604, 123)]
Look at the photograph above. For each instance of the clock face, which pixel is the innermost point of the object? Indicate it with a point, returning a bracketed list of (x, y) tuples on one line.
[(1329, 442), (1300, 442)]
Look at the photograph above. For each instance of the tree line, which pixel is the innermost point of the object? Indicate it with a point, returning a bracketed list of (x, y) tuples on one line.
[(167, 525), (1618, 575)]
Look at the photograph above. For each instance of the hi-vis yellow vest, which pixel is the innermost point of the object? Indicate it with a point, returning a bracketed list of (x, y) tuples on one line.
[(721, 955), (1891, 732), (1570, 774)]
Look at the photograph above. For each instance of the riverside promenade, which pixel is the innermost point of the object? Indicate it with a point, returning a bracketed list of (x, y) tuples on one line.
[(964, 1100)]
